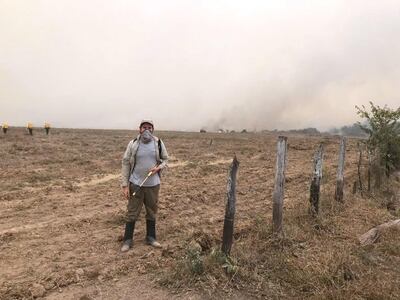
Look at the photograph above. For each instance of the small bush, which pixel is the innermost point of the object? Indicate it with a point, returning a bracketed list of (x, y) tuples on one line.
[(383, 129), (195, 261)]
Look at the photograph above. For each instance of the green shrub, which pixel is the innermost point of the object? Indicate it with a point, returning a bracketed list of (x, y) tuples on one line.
[(383, 129)]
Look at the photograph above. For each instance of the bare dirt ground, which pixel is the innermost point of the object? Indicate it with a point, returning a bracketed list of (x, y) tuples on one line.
[(62, 218)]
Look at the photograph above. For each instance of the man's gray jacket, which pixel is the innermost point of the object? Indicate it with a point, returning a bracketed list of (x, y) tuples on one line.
[(128, 160)]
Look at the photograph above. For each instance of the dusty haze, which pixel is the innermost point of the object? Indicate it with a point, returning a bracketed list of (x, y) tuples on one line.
[(192, 64)]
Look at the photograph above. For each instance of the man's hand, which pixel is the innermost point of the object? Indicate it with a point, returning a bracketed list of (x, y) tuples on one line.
[(154, 170), (125, 192)]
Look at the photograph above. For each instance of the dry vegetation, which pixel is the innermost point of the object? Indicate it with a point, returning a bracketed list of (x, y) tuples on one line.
[(62, 218)]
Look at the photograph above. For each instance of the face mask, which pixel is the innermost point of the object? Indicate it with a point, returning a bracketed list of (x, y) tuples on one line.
[(146, 136)]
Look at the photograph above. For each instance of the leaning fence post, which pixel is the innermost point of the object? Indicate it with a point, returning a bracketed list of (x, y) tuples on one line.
[(339, 177), (227, 237), (316, 180), (279, 191)]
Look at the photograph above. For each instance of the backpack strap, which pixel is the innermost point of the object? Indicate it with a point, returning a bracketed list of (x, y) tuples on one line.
[(159, 148), (134, 140)]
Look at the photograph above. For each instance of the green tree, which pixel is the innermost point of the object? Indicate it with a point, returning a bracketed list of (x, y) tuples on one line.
[(383, 129)]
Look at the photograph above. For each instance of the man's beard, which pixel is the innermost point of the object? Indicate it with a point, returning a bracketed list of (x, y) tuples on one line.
[(146, 136)]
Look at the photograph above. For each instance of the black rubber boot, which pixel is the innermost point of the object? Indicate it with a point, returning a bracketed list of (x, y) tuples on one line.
[(151, 234), (151, 228), (129, 228), (128, 236)]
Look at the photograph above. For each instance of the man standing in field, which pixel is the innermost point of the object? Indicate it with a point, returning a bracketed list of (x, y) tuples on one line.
[(142, 162)]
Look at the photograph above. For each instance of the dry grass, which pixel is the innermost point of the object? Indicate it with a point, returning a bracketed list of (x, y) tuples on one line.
[(317, 258), (62, 217)]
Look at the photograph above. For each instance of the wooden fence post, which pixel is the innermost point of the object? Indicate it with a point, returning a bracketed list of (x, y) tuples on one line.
[(279, 190), (355, 187), (316, 180), (369, 172), (227, 237), (360, 186), (378, 170), (340, 170)]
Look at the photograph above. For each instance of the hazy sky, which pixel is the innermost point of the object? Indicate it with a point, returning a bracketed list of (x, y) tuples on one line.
[(192, 64)]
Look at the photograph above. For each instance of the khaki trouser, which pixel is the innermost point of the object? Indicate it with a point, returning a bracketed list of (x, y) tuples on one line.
[(146, 195)]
